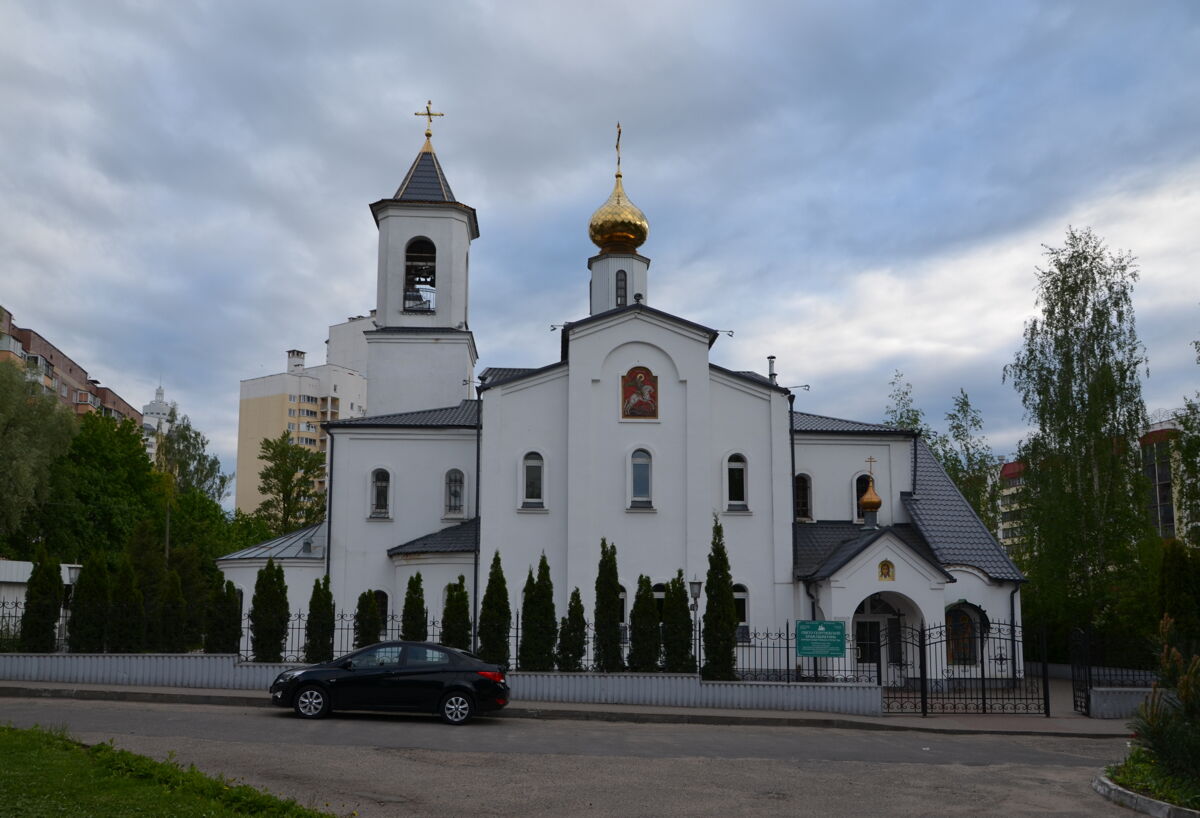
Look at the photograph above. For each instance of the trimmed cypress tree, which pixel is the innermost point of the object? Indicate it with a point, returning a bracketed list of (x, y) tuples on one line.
[(572, 636), (495, 617), (677, 628), (318, 629), (539, 625), (172, 616), (720, 613), (456, 617), (367, 621), (89, 607), (645, 638), (414, 618), (43, 604), (127, 619), (269, 614), (145, 552), (607, 617), (223, 632)]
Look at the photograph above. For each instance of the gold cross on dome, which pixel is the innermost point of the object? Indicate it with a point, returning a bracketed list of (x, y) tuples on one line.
[(871, 461), (429, 115), (618, 148)]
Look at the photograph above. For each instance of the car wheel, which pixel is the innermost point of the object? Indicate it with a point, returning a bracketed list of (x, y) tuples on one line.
[(312, 702), (456, 708)]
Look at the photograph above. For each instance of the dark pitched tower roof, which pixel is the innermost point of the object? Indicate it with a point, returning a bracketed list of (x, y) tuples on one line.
[(425, 181)]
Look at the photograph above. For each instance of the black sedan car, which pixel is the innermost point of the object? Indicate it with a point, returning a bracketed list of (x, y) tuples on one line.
[(415, 676)]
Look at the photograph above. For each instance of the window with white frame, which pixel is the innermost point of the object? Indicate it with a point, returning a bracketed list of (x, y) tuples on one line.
[(622, 288), (533, 469), (741, 607), (735, 482), (381, 484), (639, 480), (454, 493)]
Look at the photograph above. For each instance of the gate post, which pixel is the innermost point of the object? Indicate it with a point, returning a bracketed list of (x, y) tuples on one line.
[(982, 668), (924, 664), (1046, 675)]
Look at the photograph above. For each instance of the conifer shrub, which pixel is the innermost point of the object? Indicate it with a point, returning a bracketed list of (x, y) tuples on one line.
[(414, 617), (678, 656), (223, 625), (720, 613), (269, 614), (572, 636), (127, 618), (172, 616), (367, 621), (43, 605), (495, 617), (456, 616), (318, 628), (645, 638), (607, 617), (89, 607), (539, 625)]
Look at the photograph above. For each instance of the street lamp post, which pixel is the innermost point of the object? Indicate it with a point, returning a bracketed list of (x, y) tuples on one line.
[(694, 587)]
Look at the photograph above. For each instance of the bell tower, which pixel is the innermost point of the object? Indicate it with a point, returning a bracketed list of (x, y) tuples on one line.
[(618, 228), (421, 354)]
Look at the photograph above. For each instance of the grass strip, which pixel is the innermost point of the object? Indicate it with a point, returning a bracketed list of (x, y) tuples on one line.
[(46, 773), (1141, 773)]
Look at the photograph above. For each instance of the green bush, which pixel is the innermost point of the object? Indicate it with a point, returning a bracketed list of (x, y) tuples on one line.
[(645, 637), (456, 616), (367, 621), (539, 625), (223, 630), (607, 617), (318, 628), (495, 617), (269, 614), (414, 618), (720, 612), (172, 616), (127, 619), (89, 607), (572, 636), (43, 605), (1167, 724), (677, 628)]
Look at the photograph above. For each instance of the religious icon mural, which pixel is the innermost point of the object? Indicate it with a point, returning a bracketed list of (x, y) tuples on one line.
[(639, 393), (887, 571)]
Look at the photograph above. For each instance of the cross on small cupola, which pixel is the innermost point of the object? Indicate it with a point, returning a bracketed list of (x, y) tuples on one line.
[(429, 115), (870, 502)]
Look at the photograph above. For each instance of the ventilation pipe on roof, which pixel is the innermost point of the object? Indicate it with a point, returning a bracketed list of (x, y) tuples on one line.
[(771, 368)]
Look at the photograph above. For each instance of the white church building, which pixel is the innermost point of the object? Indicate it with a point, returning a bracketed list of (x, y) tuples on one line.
[(632, 435)]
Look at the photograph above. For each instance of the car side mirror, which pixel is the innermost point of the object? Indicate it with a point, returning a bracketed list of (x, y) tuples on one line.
[(347, 665)]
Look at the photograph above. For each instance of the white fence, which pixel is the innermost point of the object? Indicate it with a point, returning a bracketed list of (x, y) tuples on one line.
[(222, 671)]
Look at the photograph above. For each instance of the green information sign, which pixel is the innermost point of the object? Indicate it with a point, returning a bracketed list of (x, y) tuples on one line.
[(820, 638)]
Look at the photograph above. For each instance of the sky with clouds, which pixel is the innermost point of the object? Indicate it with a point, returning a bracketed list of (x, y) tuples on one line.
[(854, 187)]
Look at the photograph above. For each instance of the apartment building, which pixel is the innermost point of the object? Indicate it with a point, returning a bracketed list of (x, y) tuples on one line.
[(59, 374), (298, 400)]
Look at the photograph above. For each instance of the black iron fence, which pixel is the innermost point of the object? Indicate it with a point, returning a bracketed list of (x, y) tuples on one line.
[(1095, 663)]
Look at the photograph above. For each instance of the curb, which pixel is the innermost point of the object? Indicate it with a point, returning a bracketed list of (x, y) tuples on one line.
[(1140, 803), (255, 699)]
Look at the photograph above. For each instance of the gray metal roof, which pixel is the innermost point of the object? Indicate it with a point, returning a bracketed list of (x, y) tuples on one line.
[(950, 525), (463, 416), (289, 546), (425, 181), (456, 538), (806, 422), (819, 549)]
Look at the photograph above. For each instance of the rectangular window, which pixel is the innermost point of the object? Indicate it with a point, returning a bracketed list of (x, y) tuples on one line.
[(736, 480), (291, 413), (291, 398), (533, 482), (639, 473)]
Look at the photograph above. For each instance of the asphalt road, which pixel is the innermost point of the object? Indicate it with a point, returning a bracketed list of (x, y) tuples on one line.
[(383, 765)]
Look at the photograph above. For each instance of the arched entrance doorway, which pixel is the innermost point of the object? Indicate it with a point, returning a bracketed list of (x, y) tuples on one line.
[(881, 651)]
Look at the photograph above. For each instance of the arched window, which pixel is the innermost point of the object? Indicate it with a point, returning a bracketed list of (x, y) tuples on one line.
[(381, 602), (381, 483), (639, 480), (861, 484), (803, 488), (741, 607), (735, 482), (622, 288), (420, 278), (961, 636), (531, 473), (454, 493)]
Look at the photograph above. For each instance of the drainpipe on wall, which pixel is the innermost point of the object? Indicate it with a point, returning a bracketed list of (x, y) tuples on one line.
[(329, 503), (478, 525)]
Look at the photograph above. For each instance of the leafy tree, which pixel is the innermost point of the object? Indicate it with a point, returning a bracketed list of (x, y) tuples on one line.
[(1083, 497), (183, 453), (89, 607), (43, 605), (1178, 591), (720, 612), (572, 636), (127, 619), (678, 656), (172, 616), (539, 625), (223, 632), (968, 459), (902, 413), (367, 621), (607, 617), (414, 618), (37, 432), (495, 617), (645, 638), (318, 629), (1185, 454), (269, 614), (288, 484), (456, 617)]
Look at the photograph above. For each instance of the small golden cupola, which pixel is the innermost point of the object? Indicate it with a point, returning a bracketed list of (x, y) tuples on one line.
[(618, 225), (870, 501)]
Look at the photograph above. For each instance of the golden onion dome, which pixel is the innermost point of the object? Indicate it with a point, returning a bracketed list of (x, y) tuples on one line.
[(618, 226), (870, 501)]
